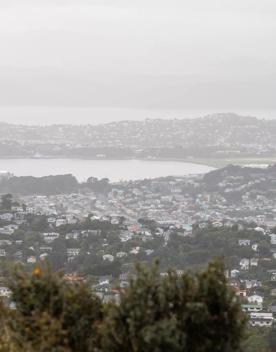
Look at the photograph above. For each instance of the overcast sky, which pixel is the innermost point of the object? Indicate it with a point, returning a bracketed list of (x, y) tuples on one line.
[(146, 54)]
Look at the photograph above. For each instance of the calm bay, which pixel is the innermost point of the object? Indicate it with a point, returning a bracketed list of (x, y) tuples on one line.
[(115, 170)]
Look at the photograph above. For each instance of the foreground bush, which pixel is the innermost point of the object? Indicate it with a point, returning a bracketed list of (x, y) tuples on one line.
[(52, 315), (193, 313)]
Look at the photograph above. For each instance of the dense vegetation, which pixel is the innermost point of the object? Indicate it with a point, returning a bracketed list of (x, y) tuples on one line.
[(192, 312), (51, 185)]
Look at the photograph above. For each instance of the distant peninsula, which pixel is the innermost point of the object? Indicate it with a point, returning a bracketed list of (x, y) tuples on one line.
[(215, 140)]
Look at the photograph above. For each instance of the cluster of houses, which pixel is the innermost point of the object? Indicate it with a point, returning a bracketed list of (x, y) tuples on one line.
[(258, 295), (181, 201), (172, 204), (224, 134), (260, 306)]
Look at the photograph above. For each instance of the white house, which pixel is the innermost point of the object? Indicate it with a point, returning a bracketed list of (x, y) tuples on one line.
[(135, 250), (244, 242), (73, 252), (50, 236), (262, 319), (51, 220), (244, 263), (46, 249), (2, 252), (149, 251), (255, 299), (71, 219), (72, 236), (252, 307), (260, 229), (5, 291), (60, 222), (273, 276), (108, 257), (6, 230), (31, 259), (252, 283), (6, 216), (30, 210), (17, 208), (273, 238), (254, 261), (255, 247), (273, 251), (234, 273), (121, 254)]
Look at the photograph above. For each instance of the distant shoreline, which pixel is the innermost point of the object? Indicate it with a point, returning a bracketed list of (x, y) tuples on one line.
[(211, 162)]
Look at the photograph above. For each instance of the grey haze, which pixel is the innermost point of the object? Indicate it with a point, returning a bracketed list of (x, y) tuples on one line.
[(213, 55)]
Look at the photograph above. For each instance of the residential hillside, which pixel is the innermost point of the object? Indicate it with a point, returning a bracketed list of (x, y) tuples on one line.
[(215, 136), (96, 231)]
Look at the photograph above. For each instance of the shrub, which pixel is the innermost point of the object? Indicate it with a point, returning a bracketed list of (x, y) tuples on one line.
[(192, 312), (52, 315), (196, 313)]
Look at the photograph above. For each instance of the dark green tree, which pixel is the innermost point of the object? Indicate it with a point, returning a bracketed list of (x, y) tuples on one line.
[(6, 202), (257, 340), (272, 339), (193, 313)]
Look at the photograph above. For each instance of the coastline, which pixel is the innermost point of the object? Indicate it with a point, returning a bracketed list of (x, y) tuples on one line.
[(211, 162)]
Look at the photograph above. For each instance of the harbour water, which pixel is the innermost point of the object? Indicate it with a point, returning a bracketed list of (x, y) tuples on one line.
[(115, 170)]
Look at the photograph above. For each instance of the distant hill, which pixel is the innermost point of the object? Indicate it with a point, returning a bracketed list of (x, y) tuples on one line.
[(215, 136)]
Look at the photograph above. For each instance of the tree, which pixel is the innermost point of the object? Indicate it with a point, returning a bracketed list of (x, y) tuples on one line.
[(272, 339), (58, 255), (6, 202), (189, 313), (257, 340), (192, 312), (4, 336), (52, 315)]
